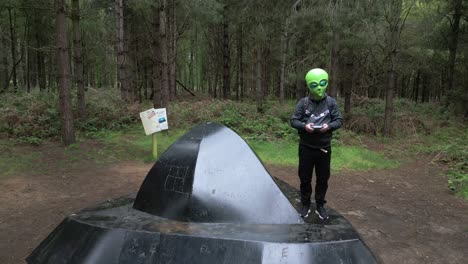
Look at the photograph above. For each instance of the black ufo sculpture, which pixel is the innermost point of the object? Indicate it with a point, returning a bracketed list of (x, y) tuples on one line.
[(208, 199)]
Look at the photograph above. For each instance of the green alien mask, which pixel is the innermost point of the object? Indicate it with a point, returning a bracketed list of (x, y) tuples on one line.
[(317, 82)]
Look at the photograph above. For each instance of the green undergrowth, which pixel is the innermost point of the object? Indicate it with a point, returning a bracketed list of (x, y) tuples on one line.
[(448, 145), (343, 157), (112, 131), (272, 152), (135, 138), (131, 143), (13, 161)]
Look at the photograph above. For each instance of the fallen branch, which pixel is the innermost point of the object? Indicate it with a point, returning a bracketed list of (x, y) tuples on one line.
[(183, 86)]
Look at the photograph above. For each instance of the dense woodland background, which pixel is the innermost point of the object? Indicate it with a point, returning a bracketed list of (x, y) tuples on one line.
[(258, 51)]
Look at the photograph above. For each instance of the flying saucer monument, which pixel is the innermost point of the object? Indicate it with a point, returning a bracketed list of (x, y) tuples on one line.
[(208, 199)]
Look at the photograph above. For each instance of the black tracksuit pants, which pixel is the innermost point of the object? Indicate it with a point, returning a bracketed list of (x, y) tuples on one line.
[(310, 158)]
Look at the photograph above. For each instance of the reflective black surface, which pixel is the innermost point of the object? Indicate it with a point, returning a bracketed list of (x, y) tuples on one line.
[(220, 206), (114, 232), (211, 175)]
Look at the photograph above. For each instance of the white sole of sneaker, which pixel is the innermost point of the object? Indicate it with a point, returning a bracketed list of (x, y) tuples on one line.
[(305, 216), (317, 213)]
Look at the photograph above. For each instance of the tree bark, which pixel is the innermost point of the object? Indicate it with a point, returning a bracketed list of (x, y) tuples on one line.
[(453, 41), (425, 89), (172, 51), (349, 82), (78, 58), (28, 66), (300, 89), (403, 86), (63, 69), (13, 49), (192, 60), (5, 75), (122, 42), (52, 72), (334, 65), (416, 86), (241, 64), (226, 56), (156, 69), (163, 52), (41, 76), (394, 31), (284, 52), (259, 88), (145, 77)]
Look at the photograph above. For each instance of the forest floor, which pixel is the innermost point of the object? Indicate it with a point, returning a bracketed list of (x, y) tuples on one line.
[(405, 215)]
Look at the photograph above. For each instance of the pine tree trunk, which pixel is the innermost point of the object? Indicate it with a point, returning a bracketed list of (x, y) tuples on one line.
[(34, 72), (172, 50), (335, 65), (25, 58), (394, 26), (156, 69), (259, 88), (139, 81), (128, 58), (453, 41), (136, 72), (416, 86), (52, 73), (241, 65), (424, 90), (340, 79), (299, 68), (402, 90), (389, 103), (78, 58), (41, 76), (63, 69), (266, 72), (122, 61), (163, 51), (92, 74), (191, 62), (215, 87), (226, 56), (348, 82), (284, 52), (145, 72), (13, 49), (407, 86), (4, 62), (236, 84), (28, 67)]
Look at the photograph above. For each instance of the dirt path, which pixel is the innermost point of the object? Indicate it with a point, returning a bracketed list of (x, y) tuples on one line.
[(405, 215)]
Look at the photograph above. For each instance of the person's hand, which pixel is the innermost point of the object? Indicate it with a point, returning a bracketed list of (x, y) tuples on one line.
[(324, 128), (309, 127)]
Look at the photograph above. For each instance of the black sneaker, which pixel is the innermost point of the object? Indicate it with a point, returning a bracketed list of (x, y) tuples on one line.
[(305, 211), (321, 212)]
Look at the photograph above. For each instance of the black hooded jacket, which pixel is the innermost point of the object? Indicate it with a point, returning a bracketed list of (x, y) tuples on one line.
[(309, 110)]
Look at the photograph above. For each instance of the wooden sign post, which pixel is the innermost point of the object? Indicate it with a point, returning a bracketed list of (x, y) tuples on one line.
[(154, 120)]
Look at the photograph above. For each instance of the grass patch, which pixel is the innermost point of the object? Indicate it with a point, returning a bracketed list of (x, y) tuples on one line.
[(136, 145), (278, 153), (357, 158), (343, 157), (132, 143), (11, 164), (449, 145)]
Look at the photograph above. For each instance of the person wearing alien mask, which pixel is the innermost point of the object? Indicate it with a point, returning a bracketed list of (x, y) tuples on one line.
[(316, 117)]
